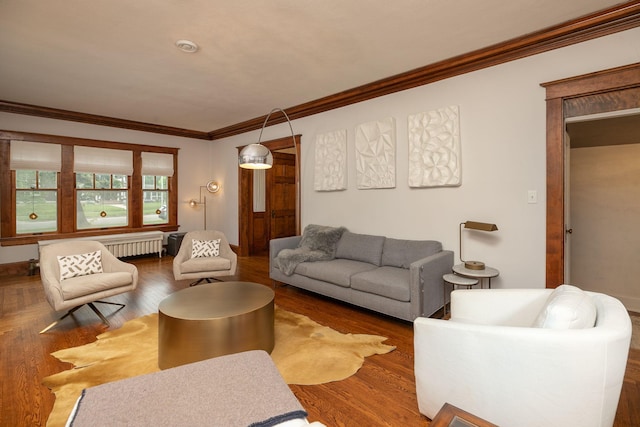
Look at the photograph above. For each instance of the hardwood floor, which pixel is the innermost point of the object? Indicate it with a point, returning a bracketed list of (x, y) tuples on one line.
[(382, 393)]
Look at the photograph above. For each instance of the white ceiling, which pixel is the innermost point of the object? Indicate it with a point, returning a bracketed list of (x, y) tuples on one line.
[(118, 58)]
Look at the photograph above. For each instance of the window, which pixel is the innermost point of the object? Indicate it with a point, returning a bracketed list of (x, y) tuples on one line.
[(102, 189), (157, 168), (36, 201), (155, 198), (57, 187), (35, 169), (102, 200)]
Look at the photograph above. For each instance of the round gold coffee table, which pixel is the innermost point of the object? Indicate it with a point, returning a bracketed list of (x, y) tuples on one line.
[(214, 319)]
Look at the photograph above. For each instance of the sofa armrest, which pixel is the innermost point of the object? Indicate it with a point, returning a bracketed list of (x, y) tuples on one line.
[(276, 245), (426, 283)]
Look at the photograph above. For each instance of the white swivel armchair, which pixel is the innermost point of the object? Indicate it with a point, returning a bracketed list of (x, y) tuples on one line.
[(71, 278), (215, 257), (502, 358)]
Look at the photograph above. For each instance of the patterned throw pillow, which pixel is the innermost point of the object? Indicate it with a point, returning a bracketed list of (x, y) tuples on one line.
[(80, 265), (205, 248)]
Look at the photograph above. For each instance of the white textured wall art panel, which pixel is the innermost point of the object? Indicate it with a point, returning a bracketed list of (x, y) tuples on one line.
[(434, 148), (331, 161), (376, 154)]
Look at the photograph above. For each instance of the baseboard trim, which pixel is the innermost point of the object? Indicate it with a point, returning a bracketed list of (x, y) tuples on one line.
[(21, 268)]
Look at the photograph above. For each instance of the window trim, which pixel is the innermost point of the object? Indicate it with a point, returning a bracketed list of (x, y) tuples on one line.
[(66, 189)]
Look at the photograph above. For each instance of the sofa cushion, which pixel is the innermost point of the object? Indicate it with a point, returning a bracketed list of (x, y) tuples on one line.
[(360, 247), (568, 307), (388, 282), (80, 286), (401, 253), (336, 271)]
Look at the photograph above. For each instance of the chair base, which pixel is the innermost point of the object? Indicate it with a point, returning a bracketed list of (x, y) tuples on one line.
[(92, 307), (208, 279)]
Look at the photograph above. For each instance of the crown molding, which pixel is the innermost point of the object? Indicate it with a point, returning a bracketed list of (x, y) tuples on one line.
[(602, 23), (74, 116)]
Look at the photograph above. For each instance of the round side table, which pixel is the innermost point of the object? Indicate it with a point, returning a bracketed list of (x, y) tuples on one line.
[(486, 273), (455, 280)]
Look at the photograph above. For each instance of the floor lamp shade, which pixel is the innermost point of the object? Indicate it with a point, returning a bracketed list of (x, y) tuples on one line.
[(211, 187), (480, 226), (255, 156)]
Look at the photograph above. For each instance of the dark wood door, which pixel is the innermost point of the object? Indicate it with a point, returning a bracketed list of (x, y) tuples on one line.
[(281, 196), (251, 226)]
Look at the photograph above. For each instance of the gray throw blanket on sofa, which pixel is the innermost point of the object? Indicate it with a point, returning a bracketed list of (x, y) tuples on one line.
[(318, 243)]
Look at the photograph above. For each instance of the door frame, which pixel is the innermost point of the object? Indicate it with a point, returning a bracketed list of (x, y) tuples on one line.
[(603, 91), (245, 196)]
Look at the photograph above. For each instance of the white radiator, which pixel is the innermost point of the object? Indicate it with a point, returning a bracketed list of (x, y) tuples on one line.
[(123, 245)]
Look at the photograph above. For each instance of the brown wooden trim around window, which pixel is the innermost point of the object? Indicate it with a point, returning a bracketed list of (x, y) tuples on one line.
[(609, 21), (67, 140), (563, 98), (67, 211)]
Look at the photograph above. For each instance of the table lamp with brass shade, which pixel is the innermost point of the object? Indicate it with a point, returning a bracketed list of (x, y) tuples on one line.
[(474, 225)]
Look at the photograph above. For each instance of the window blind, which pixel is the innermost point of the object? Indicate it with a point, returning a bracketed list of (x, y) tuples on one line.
[(26, 155), (102, 160), (157, 164)]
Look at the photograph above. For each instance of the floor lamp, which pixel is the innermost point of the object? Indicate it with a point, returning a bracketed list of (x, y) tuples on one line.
[(257, 156), (474, 225), (211, 187)]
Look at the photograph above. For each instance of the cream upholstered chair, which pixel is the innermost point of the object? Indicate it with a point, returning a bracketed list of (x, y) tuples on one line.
[(210, 258), (506, 356), (73, 275)]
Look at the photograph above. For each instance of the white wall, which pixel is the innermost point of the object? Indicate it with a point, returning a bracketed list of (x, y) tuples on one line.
[(502, 120), (503, 138), (605, 218)]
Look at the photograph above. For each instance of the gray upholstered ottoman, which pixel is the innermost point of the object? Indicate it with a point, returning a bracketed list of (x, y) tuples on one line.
[(240, 389)]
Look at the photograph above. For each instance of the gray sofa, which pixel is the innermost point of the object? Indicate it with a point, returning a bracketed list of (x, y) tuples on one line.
[(400, 278)]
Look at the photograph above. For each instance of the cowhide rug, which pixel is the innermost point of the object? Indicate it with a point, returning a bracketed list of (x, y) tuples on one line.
[(305, 353)]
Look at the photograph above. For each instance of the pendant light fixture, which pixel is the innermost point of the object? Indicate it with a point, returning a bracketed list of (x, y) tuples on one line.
[(103, 213), (33, 215)]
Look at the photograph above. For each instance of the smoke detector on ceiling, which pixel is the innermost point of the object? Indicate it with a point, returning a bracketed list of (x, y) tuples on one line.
[(187, 46)]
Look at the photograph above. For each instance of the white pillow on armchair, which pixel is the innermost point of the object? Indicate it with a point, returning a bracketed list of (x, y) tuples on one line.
[(568, 307)]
